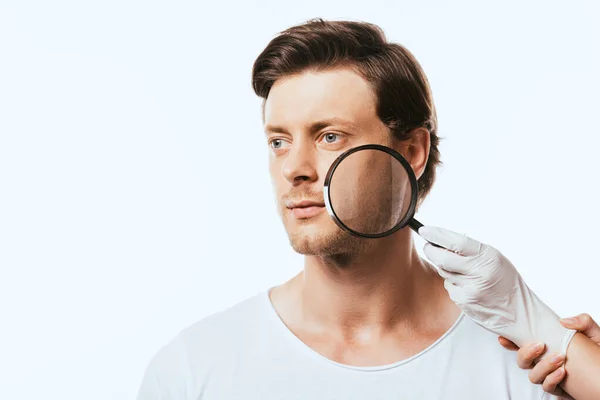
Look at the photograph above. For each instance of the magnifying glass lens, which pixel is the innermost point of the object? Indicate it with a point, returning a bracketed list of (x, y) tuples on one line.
[(370, 191)]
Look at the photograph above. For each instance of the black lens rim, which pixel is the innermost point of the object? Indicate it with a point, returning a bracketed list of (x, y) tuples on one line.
[(411, 177)]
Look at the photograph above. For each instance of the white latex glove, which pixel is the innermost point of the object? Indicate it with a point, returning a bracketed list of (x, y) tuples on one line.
[(489, 289)]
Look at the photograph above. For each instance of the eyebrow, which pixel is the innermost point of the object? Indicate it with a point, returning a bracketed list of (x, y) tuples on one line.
[(314, 127)]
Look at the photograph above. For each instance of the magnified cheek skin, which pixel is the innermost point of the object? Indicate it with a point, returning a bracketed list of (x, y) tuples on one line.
[(369, 190)]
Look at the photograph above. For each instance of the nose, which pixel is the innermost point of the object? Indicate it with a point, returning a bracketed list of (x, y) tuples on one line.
[(299, 165)]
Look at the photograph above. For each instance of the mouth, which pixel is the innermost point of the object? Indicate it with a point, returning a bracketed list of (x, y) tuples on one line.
[(305, 209)]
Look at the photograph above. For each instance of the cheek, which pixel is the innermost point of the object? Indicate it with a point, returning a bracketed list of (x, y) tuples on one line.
[(277, 179), (325, 162)]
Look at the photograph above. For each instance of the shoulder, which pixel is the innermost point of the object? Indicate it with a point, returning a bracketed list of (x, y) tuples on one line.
[(228, 322), (219, 331), (180, 364)]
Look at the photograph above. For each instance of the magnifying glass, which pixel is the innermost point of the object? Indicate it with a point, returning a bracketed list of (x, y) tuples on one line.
[(371, 191)]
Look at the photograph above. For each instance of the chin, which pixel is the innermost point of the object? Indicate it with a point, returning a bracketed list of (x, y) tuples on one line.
[(309, 246), (324, 242)]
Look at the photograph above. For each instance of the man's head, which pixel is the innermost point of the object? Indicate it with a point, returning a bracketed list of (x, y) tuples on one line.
[(329, 86)]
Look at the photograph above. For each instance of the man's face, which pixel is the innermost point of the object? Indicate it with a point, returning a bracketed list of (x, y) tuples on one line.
[(310, 119)]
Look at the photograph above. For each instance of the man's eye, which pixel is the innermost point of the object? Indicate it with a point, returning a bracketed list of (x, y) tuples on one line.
[(276, 143), (331, 137)]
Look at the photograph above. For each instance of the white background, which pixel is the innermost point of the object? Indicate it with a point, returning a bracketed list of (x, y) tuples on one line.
[(134, 192)]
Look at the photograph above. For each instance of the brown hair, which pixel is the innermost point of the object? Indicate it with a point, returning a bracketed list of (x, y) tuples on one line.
[(404, 100)]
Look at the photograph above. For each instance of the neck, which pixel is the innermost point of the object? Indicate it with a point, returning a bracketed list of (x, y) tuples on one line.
[(377, 291)]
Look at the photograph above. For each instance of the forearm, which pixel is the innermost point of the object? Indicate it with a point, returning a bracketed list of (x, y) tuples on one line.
[(582, 380)]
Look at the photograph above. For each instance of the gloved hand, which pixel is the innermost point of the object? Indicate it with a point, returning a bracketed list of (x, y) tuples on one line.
[(489, 289), (548, 373)]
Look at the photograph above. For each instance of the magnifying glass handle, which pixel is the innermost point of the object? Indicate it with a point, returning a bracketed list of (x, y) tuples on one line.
[(415, 225)]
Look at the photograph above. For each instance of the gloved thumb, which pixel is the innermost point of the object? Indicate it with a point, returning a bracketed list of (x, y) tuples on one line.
[(453, 241)]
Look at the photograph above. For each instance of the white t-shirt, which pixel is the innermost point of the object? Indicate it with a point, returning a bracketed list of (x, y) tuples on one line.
[(247, 352)]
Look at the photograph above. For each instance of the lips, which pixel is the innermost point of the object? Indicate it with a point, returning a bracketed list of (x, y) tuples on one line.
[(305, 208)]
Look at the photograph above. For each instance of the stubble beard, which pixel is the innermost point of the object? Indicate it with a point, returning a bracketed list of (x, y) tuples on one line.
[(329, 242)]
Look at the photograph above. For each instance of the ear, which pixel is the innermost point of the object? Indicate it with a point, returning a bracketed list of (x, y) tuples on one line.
[(416, 149)]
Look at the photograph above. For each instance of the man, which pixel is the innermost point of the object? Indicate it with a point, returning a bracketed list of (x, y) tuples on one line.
[(366, 318)]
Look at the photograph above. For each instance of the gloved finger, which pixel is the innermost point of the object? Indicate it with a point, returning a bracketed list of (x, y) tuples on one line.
[(550, 384), (457, 294), (451, 289), (528, 354), (507, 344), (450, 240), (447, 260), (451, 276), (545, 367), (584, 324)]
